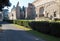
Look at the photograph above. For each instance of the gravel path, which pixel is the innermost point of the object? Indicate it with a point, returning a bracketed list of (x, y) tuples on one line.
[(11, 33)]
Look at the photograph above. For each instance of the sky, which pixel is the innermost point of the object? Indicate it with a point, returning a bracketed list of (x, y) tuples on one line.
[(21, 3)]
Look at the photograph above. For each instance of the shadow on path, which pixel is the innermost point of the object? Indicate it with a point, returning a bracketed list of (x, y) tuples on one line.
[(5, 22), (17, 35)]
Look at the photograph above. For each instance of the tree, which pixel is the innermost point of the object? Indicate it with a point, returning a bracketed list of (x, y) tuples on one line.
[(4, 3), (20, 9), (23, 9)]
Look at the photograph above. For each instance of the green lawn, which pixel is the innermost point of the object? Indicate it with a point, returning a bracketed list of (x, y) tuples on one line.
[(44, 36), (38, 34)]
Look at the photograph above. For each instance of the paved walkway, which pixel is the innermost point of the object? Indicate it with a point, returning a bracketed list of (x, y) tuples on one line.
[(11, 33)]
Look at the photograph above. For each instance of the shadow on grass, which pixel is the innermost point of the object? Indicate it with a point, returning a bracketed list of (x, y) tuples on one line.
[(44, 36)]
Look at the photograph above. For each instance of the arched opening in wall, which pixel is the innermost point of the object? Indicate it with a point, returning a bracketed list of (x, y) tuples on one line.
[(41, 12), (51, 17), (47, 15), (55, 14)]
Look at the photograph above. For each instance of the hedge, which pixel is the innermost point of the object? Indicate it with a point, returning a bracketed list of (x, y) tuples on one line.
[(0, 25), (52, 28), (22, 23), (10, 21)]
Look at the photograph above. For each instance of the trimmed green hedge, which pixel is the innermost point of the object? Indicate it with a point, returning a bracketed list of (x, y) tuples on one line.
[(40, 26), (10, 21), (52, 28), (22, 23)]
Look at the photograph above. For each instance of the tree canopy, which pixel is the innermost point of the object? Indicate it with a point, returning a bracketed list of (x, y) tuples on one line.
[(4, 3)]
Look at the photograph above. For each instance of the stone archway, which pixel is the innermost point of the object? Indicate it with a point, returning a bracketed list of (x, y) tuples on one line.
[(41, 11)]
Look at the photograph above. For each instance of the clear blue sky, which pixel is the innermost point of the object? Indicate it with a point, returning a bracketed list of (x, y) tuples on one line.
[(21, 3)]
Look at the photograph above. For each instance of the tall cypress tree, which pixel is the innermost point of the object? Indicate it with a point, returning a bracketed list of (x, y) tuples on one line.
[(23, 9)]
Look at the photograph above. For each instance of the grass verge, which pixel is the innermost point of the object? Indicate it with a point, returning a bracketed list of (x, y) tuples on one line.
[(44, 36), (22, 27), (38, 34)]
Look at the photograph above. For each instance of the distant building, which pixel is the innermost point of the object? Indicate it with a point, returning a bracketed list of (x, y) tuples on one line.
[(15, 13), (30, 11), (18, 11), (12, 14), (47, 8), (26, 11), (5, 14)]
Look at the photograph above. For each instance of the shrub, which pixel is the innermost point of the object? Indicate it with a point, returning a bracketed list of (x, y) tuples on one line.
[(40, 26), (55, 28), (46, 27), (0, 25), (52, 28), (10, 21), (22, 23)]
